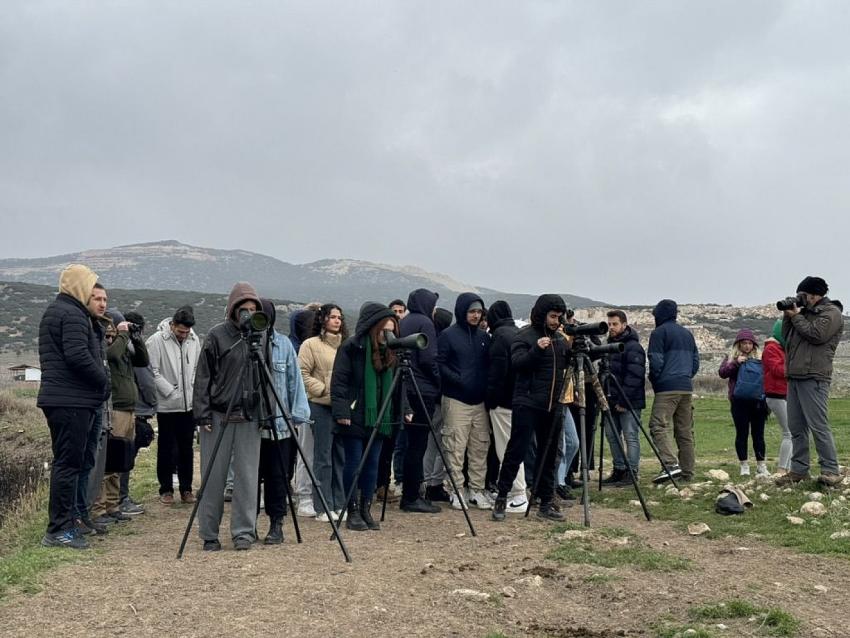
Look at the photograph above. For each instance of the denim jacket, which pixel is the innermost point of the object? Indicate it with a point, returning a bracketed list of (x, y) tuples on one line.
[(288, 383)]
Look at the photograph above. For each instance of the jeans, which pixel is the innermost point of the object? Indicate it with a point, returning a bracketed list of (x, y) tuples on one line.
[(83, 500), (779, 407), (433, 470), (630, 440), (69, 435), (808, 401), (568, 445), (368, 480)]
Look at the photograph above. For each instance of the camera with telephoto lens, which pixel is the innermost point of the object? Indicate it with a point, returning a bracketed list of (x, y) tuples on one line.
[(416, 341), (789, 302), (253, 325)]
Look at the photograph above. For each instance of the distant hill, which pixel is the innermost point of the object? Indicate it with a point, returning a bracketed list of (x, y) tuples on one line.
[(171, 265)]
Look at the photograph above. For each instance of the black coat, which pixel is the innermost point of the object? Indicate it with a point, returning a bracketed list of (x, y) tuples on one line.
[(540, 374), (420, 305), (500, 376), (72, 357), (629, 368), (462, 353)]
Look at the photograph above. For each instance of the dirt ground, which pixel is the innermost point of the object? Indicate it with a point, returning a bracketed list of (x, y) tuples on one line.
[(402, 582)]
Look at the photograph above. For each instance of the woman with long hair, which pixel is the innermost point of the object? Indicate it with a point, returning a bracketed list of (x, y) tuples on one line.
[(748, 410)]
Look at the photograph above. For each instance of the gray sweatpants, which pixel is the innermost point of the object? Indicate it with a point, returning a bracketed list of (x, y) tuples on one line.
[(242, 441), (808, 403)]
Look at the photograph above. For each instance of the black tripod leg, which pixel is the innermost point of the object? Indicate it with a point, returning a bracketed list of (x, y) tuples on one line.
[(601, 448), (443, 457), (585, 492), (629, 468), (208, 471), (384, 501), (540, 461)]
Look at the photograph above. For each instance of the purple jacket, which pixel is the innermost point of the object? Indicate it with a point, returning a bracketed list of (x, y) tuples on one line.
[(729, 370)]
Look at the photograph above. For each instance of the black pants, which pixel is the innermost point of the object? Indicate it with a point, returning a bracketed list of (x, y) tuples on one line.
[(272, 477), (590, 412), (749, 415), (526, 423), (417, 442), (69, 431), (176, 436), (124, 484)]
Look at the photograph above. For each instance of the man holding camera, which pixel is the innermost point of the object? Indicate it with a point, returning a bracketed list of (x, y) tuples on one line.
[(812, 327)]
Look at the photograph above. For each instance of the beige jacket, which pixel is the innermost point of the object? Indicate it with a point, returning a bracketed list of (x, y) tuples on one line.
[(316, 359)]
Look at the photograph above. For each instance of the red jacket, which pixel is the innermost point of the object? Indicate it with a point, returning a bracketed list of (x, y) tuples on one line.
[(773, 363)]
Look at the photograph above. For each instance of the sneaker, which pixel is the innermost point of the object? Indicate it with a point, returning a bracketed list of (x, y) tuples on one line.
[(828, 479), (167, 498), (745, 468), (120, 517), (762, 471), (790, 479), (82, 528), (516, 505), (228, 494), (663, 477), (549, 512), (98, 528), (242, 544), (323, 518), (419, 506), (212, 546), (499, 508), (563, 492), (128, 508), (68, 538), (437, 493), (305, 509), (479, 500), (457, 502), (105, 519), (187, 497)]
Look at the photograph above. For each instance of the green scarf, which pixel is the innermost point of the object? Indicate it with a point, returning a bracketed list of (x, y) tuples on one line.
[(370, 376)]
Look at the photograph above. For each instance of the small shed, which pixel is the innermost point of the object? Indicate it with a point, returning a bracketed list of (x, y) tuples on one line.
[(25, 373)]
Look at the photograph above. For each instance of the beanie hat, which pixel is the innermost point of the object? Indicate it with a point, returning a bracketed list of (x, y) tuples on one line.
[(185, 316), (475, 305), (115, 315), (777, 332), (745, 334), (136, 318), (813, 286)]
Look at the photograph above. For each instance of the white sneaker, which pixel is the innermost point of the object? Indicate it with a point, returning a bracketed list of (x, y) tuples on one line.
[(455, 501), (479, 500), (761, 470), (323, 518), (305, 509), (745, 468), (517, 505)]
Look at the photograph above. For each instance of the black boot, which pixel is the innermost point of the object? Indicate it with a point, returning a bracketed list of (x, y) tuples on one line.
[(616, 477), (366, 514), (436, 493), (354, 521), (275, 535), (499, 508)]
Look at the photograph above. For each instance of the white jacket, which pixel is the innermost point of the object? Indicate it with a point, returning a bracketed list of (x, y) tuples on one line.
[(173, 364)]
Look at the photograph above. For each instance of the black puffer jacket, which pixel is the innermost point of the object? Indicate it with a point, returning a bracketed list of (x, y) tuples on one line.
[(539, 373), (629, 367), (463, 356), (420, 304), (500, 376), (72, 357)]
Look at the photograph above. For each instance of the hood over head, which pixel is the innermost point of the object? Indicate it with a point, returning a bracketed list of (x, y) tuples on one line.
[(499, 314), (422, 301), (270, 310), (464, 301), (665, 310), (442, 319), (777, 332), (77, 281), (542, 307), (371, 313), (241, 292)]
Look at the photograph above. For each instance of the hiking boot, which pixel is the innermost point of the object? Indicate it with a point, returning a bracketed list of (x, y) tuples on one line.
[(187, 497), (242, 544), (275, 535), (67, 538), (790, 479), (82, 528), (550, 512), (828, 479), (627, 479), (479, 500), (98, 528), (499, 508), (663, 477), (167, 498), (383, 493), (420, 506), (437, 493), (563, 492), (128, 508), (354, 521), (366, 514), (212, 546), (615, 478), (228, 494)]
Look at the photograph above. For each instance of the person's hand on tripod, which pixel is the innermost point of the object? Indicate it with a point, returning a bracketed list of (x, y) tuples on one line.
[(408, 418), (619, 408)]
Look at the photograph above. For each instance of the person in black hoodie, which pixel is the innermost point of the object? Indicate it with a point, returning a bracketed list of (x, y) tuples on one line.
[(500, 391), (539, 357), (361, 379), (433, 470), (629, 368), (426, 372), (462, 352)]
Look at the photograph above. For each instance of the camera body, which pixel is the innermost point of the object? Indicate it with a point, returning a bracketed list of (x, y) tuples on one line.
[(134, 329), (790, 302)]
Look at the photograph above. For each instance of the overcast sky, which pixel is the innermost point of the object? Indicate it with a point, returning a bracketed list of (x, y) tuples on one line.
[(625, 151)]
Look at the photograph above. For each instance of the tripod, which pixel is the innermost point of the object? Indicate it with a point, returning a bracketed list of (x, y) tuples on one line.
[(404, 372), (254, 383)]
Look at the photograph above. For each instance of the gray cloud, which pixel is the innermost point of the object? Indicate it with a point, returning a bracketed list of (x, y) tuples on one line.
[(622, 151)]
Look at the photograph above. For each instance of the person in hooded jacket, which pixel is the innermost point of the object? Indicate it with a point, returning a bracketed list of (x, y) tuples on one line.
[(174, 351), (219, 380), (289, 388), (776, 391), (463, 357), (433, 469), (74, 384), (361, 382), (539, 358), (673, 363), (500, 393), (426, 371)]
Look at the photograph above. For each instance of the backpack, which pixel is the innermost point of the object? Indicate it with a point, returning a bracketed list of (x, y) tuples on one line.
[(750, 381)]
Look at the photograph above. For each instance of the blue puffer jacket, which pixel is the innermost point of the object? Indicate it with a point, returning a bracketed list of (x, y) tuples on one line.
[(673, 355), (462, 353), (420, 304)]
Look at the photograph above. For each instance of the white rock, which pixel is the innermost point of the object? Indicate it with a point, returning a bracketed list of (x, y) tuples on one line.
[(686, 492), (653, 503), (689, 632), (698, 529), (844, 533), (813, 508), (795, 520), (471, 594), (508, 592), (672, 491), (634, 503), (815, 496), (573, 534), (821, 588), (718, 475), (787, 490), (721, 626), (764, 497), (532, 581), (621, 540)]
